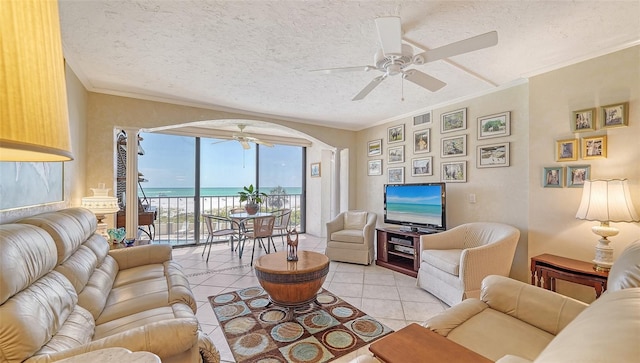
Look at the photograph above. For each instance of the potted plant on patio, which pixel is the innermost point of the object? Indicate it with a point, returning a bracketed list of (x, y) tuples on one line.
[(253, 199)]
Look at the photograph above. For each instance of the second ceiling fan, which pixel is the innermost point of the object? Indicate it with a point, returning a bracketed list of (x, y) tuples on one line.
[(394, 57)]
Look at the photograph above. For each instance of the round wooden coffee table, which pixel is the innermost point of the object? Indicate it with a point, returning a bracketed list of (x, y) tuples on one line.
[(292, 283)]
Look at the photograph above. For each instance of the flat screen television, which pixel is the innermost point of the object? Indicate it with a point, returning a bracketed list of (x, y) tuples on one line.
[(418, 207)]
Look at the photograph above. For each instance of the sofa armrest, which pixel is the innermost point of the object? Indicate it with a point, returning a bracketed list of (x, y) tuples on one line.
[(141, 255), (208, 350), (370, 227), (536, 306), (451, 318), (476, 263), (335, 224)]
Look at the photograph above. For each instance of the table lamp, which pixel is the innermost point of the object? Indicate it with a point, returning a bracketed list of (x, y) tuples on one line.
[(606, 201), (100, 204)]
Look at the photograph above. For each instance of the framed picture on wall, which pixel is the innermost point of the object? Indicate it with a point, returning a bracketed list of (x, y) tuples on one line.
[(315, 170), (497, 125), (454, 172), (396, 175), (395, 134), (396, 154), (553, 177), (374, 147), (453, 121), (422, 166), (583, 120), (374, 167), (454, 146), (567, 150), (615, 115), (421, 141), (594, 147), (493, 156), (577, 174)]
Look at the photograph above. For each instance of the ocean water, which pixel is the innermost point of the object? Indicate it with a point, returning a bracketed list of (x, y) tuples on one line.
[(415, 213), (208, 192)]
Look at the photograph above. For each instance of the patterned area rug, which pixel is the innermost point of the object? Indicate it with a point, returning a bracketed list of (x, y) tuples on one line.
[(260, 333)]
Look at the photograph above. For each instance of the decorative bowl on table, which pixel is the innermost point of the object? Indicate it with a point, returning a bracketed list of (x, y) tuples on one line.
[(129, 242), (116, 235)]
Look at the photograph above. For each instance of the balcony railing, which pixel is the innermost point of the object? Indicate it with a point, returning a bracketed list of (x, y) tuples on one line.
[(176, 220)]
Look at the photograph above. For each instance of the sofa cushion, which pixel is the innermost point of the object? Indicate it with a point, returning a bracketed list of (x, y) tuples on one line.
[(494, 335), (445, 260), (348, 236), (606, 331), (355, 219)]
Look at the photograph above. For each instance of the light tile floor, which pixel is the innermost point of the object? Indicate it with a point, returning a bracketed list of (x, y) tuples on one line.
[(390, 297)]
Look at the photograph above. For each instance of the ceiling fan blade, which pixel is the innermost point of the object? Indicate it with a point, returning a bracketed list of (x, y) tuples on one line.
[(423, 80), (344, 69), (245, 145), (373, 84), (219, 142), (463, 46), (263, 143), (390, 34)]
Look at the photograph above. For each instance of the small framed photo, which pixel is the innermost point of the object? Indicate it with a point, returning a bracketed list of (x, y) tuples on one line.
[(567, 150), (454, 172), (315, 170), (493, 156), (553, 177), (396, 134), (422, 166), (453, 121), (594, 147), (577, 174), (396, 175), (497, 125), (374, 147), (422, 141), (396, 154), (615, 115), (422, 119), (454, 146), (583, 120), (374, 167)]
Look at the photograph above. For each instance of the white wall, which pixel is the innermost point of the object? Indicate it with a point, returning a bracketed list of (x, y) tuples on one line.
[(601, 81), (501, 193)]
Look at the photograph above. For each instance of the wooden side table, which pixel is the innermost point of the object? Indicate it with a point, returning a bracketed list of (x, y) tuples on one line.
[(413, 341), (546, 268)]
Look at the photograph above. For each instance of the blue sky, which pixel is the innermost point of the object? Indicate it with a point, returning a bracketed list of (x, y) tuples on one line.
[(169, 162)]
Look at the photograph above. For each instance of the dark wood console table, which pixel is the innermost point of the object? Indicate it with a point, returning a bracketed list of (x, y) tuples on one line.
[(146, 222), (546, 268), (398, 250)]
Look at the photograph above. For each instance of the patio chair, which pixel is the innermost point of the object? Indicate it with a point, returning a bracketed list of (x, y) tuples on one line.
[(218, 227), (281, 225), (262, 228)]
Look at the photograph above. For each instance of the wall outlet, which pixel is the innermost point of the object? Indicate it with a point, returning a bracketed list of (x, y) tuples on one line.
[(472, 198)]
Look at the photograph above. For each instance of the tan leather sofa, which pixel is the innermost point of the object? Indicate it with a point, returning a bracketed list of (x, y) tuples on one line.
[(64, 293), (350, 237), (514, 322)]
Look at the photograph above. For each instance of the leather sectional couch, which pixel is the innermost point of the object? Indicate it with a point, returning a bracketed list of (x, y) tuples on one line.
[(514, 322), (63, 292)]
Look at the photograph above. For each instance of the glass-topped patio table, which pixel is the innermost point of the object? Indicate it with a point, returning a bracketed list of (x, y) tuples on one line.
[(242, 218)]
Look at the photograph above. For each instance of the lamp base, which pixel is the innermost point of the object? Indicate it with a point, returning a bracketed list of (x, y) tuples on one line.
[(604, 253), (102, 226)]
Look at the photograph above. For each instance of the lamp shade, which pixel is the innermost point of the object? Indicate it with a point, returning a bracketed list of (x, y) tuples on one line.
[(34, 120), (606, 201), (101, 205)]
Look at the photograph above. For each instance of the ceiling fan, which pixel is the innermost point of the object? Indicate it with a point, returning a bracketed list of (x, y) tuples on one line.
[(394, 57), (244, 139)]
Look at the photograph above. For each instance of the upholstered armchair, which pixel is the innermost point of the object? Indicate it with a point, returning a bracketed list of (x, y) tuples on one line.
[(453, 263), (350, 237)]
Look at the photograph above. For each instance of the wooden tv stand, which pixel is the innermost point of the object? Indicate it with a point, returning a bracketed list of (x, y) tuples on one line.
[(398, 250)]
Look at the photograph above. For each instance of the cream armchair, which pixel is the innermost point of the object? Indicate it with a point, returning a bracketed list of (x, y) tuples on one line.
[(350, 237), (453, 263)]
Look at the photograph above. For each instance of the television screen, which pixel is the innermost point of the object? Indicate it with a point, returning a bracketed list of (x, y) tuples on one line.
[(416, 205)]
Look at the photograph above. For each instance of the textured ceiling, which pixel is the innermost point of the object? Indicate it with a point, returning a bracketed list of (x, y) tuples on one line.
[(255, 56)]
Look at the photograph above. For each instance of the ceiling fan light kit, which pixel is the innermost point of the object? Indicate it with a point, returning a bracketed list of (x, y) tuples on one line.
[(394, 57)]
